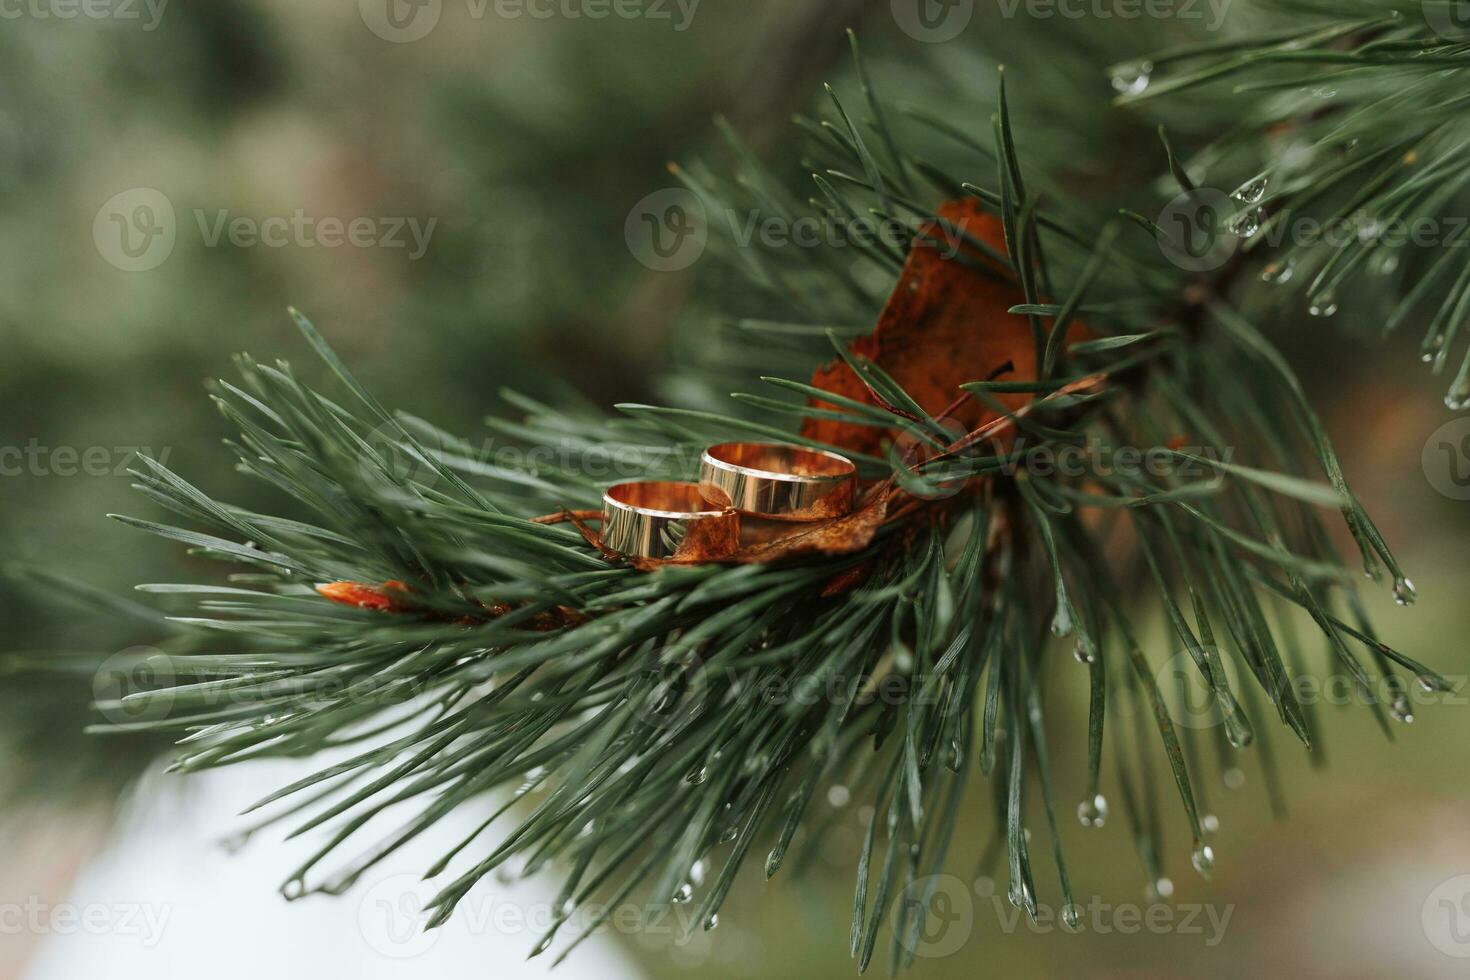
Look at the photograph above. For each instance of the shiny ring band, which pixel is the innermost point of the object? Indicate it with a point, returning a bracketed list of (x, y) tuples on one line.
[(784, 483), (653, 519)]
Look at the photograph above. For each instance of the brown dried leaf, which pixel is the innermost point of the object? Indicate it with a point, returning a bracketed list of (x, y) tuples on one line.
[(707, 541), (388, 597), (397, 597), (945, 324), (840, 536)]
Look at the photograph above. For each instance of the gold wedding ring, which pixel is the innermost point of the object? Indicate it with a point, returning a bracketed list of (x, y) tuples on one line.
[(660, 520), (779, 482)]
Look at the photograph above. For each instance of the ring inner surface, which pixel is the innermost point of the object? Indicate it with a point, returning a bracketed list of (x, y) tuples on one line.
[(777, 461), (673, 498)]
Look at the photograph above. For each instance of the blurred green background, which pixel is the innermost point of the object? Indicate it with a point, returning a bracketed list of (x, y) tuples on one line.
[(526, 142)]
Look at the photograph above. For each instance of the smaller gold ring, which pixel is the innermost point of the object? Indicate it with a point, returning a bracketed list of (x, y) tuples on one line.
[(776, 481), (652, 519)]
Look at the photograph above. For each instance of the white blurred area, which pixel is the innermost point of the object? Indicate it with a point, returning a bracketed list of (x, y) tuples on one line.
[(163, 898)]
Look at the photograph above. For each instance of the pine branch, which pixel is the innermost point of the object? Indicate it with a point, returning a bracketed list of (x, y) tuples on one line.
[(655, 725), (1354, 128)]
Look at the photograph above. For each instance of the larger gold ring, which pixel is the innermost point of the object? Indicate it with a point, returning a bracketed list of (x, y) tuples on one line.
[(780, 482), (652, 519)]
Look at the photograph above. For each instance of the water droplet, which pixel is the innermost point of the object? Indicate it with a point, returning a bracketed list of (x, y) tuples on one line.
[(505, 874), (1431, 347), (1233, 778), (839, 796), (1238, 730), (1085, 653), (1458, 398), (1021, 897), (697, 776), (1093, 812), (1071, 916), (1385, 262), (1061, 623), (1251, 191), (1402, 710), (1323, 92), (542, 946), (684, 893), (712, 922), (567, 908), (903, 660), (956, 756), (1403, 591), (1246, 223), (1428, 683), (1210, 823), (1279, 272), (1163, 888), (1323, 305), (696, 873), (1203, 858), (1133, 78), (729, 835)]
